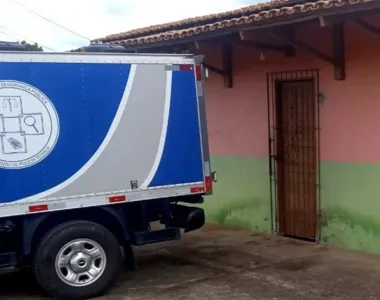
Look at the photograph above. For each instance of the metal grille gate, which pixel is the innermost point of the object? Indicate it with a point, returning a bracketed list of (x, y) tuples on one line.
[(293, 127)]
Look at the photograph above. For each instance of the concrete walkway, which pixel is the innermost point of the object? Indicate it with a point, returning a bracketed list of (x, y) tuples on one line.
[(223, 264)]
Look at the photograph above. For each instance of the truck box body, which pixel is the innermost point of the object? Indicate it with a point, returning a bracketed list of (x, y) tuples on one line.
[(81, 130)]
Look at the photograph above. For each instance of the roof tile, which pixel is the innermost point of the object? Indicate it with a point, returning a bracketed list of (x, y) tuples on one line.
[(196, 21), (254, 17), (198, 25)]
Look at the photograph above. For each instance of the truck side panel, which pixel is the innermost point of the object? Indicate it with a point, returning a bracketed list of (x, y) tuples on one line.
[(181, 161), (105, 131), (85, 98), (131, 150)]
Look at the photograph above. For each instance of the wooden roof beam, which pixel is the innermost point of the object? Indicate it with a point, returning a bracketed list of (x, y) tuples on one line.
[(339, 51), (227, 65), (244, 40), (337, 59), (368, 26), (329, 20), (227, 71), (302, 45)]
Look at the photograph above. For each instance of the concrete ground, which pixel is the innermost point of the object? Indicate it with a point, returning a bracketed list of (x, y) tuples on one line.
[(224, 264)]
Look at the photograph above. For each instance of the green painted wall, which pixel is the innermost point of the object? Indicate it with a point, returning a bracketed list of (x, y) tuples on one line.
[(350, 200), (241, 195)]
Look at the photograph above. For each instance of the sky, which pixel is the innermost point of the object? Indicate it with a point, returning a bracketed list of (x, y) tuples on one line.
[(95, 18)]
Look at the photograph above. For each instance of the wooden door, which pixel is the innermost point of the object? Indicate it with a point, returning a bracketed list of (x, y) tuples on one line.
[(296, 158)]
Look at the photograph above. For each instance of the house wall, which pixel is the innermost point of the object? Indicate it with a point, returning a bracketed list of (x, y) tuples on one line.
[(349, 138)]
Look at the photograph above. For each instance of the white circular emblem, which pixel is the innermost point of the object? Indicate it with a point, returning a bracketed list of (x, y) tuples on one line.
[(29, 125)]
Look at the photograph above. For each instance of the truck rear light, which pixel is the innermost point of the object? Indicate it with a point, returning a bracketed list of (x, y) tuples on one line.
[(37, 208), (197, 189), (116, 199), (208, 183), (186, 67), (198, 73)]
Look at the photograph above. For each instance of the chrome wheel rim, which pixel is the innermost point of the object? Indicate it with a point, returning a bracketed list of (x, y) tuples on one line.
[(80, 262)]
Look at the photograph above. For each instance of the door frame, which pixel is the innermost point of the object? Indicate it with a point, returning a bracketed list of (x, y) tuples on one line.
[(273, 78)]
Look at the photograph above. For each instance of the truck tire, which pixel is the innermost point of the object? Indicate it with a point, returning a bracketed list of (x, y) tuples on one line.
[(77, 260)]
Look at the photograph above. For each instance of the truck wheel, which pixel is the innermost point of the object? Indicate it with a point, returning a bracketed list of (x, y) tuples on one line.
[(77, 260)]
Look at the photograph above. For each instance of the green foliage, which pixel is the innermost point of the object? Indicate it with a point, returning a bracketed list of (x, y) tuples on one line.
[(32, 47)]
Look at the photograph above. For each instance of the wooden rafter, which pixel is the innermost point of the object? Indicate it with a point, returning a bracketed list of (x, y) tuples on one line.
[(267, 47), (227, 71), (227, 65), (304, 46), (338, 57), (214, 69), (245, 41), (197, 45), (262, 46), (368, 26), (325, 21), (339, 52)]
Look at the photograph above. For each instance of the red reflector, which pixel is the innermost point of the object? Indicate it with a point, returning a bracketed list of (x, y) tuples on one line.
[(186, 67), (198, 73), (197, 189), (208, 184), (117, 199), (36, 208)]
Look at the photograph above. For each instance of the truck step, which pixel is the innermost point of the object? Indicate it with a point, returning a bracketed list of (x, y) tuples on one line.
[(149, 237), (8, 259)]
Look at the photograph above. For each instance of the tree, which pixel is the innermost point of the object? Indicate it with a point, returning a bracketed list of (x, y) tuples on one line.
[(32, 47)]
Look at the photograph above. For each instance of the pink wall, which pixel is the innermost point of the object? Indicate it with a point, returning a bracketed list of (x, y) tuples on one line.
[(350, 127)]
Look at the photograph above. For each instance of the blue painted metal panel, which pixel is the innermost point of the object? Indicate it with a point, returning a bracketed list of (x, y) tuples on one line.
[(181, 161), (86, 98)]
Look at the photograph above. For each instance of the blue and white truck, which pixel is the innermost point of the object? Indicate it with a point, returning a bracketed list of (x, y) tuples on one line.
[(94, 148)]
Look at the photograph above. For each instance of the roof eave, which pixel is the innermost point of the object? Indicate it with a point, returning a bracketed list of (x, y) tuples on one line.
[(157, 42), (196, 21)]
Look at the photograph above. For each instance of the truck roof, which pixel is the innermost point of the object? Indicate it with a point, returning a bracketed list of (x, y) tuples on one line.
[(92, 49), (111, 58)]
